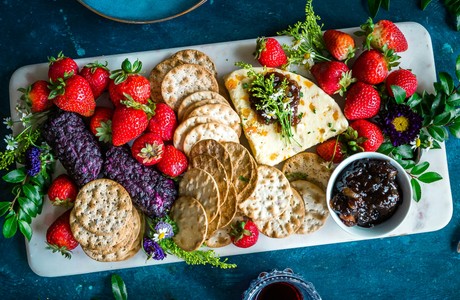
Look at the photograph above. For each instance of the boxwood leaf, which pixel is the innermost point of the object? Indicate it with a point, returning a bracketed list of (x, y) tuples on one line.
[(447, 83), (28, 206), (22, 215), (416, 190), (425, 4), (15, 176), (399, 94), (455, 130), (457, 67), (10, 226), (414, 100), (454, 99), (429, 177), (32, 192), (443, 118), (4, 207), (405, 151), (420, 168), (25, 229), (119, 288)]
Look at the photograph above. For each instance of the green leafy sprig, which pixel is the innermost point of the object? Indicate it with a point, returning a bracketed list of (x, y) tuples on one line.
[(307, 44), (118, 287)]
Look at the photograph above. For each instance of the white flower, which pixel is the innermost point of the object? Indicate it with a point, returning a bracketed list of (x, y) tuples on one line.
[(415, 143), (11, 143), (8, 122), (158, 236)]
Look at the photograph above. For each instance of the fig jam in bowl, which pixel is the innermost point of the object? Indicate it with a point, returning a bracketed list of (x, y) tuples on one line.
[(369, 194)]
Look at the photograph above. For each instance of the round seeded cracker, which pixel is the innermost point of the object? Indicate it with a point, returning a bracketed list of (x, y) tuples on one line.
[(187, 110), (316, 211), (287, 223), (307, 166), (199, 184), (193, 56), (197, 97), (223, 113), (184, 80), (217, 150), (216, 131), (157, 75), (103, 206), (271, 196), (190, 217)]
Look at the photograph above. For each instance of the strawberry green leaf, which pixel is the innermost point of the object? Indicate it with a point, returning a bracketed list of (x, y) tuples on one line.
[(425, 4), (15, 176), (416, 189), (119, 288), (25, 229), (420, 168), (429, 177), (10, 226)]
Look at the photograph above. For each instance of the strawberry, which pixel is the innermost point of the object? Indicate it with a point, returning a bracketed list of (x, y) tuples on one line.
[(403, 78), (373, 136), (61, 66), (382, 33), (97, 75), (362, 102), (163, 122), (244, 234), (100, 123), (62, 191), (128, 123), (73, 94), (148, 149), (59, 236), (269, 53), (340, 45), (332, 76), (331, 150), (36, 96), (173, 163), (371, 67), (128, 81)]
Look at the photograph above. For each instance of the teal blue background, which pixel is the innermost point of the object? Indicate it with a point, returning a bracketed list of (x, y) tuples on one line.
[(422, 266)]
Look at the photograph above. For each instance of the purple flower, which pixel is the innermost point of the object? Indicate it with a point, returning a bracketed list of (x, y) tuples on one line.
[(153, 249), (33, 161), (402, 125), (163, 230)]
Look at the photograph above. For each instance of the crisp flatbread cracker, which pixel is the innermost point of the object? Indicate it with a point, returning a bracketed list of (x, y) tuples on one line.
[(221, 112), (157, 75), (193, 56), (307, 166), (215, 149), (197, 97), (213, 130)]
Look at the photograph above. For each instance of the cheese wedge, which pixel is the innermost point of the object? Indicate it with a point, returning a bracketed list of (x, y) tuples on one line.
[(321, 119)]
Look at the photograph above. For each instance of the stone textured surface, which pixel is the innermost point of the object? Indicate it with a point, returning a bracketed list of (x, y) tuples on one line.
[(423, 266)]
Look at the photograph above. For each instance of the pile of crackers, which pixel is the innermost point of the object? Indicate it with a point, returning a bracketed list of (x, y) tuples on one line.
[(187, 82), (105, 222)]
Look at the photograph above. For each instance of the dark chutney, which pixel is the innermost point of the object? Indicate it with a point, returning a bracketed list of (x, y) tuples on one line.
[(292, 93), (366, 193)]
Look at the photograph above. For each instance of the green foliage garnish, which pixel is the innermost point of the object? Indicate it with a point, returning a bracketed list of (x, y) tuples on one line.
[(118, 287), (197, 257), (274, 101), (308, 44)]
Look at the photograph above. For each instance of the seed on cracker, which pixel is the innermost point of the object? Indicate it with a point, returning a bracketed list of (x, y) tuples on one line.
[(316, 211), (200, 185), (191, 220), (193, 56), (184, 80), (307, 166), (216, 131), (215, 149), (197, 97), (103, 206), (271, 196), (287, 223)]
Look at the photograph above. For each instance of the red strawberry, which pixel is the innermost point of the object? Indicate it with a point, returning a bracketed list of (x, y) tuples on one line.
[(62, 191), (373, 136), (362, 102), (61, 66), (269, 53), (127, 124), (244, 234), (97, 75), (331, 150), (148, 149), (332, 76), (74, 94), (403, 78), (36, 96), (164, 122), (371, 67), (100, 123), (173, 163), (127, 80), (382, 33), (59, 235), (341, 45)]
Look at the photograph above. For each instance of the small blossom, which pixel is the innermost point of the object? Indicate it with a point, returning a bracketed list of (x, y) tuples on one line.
[(402, 125), (163, 230), (8, 122), (153, 249), (415, 143), (11, 143), (33, 161)]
